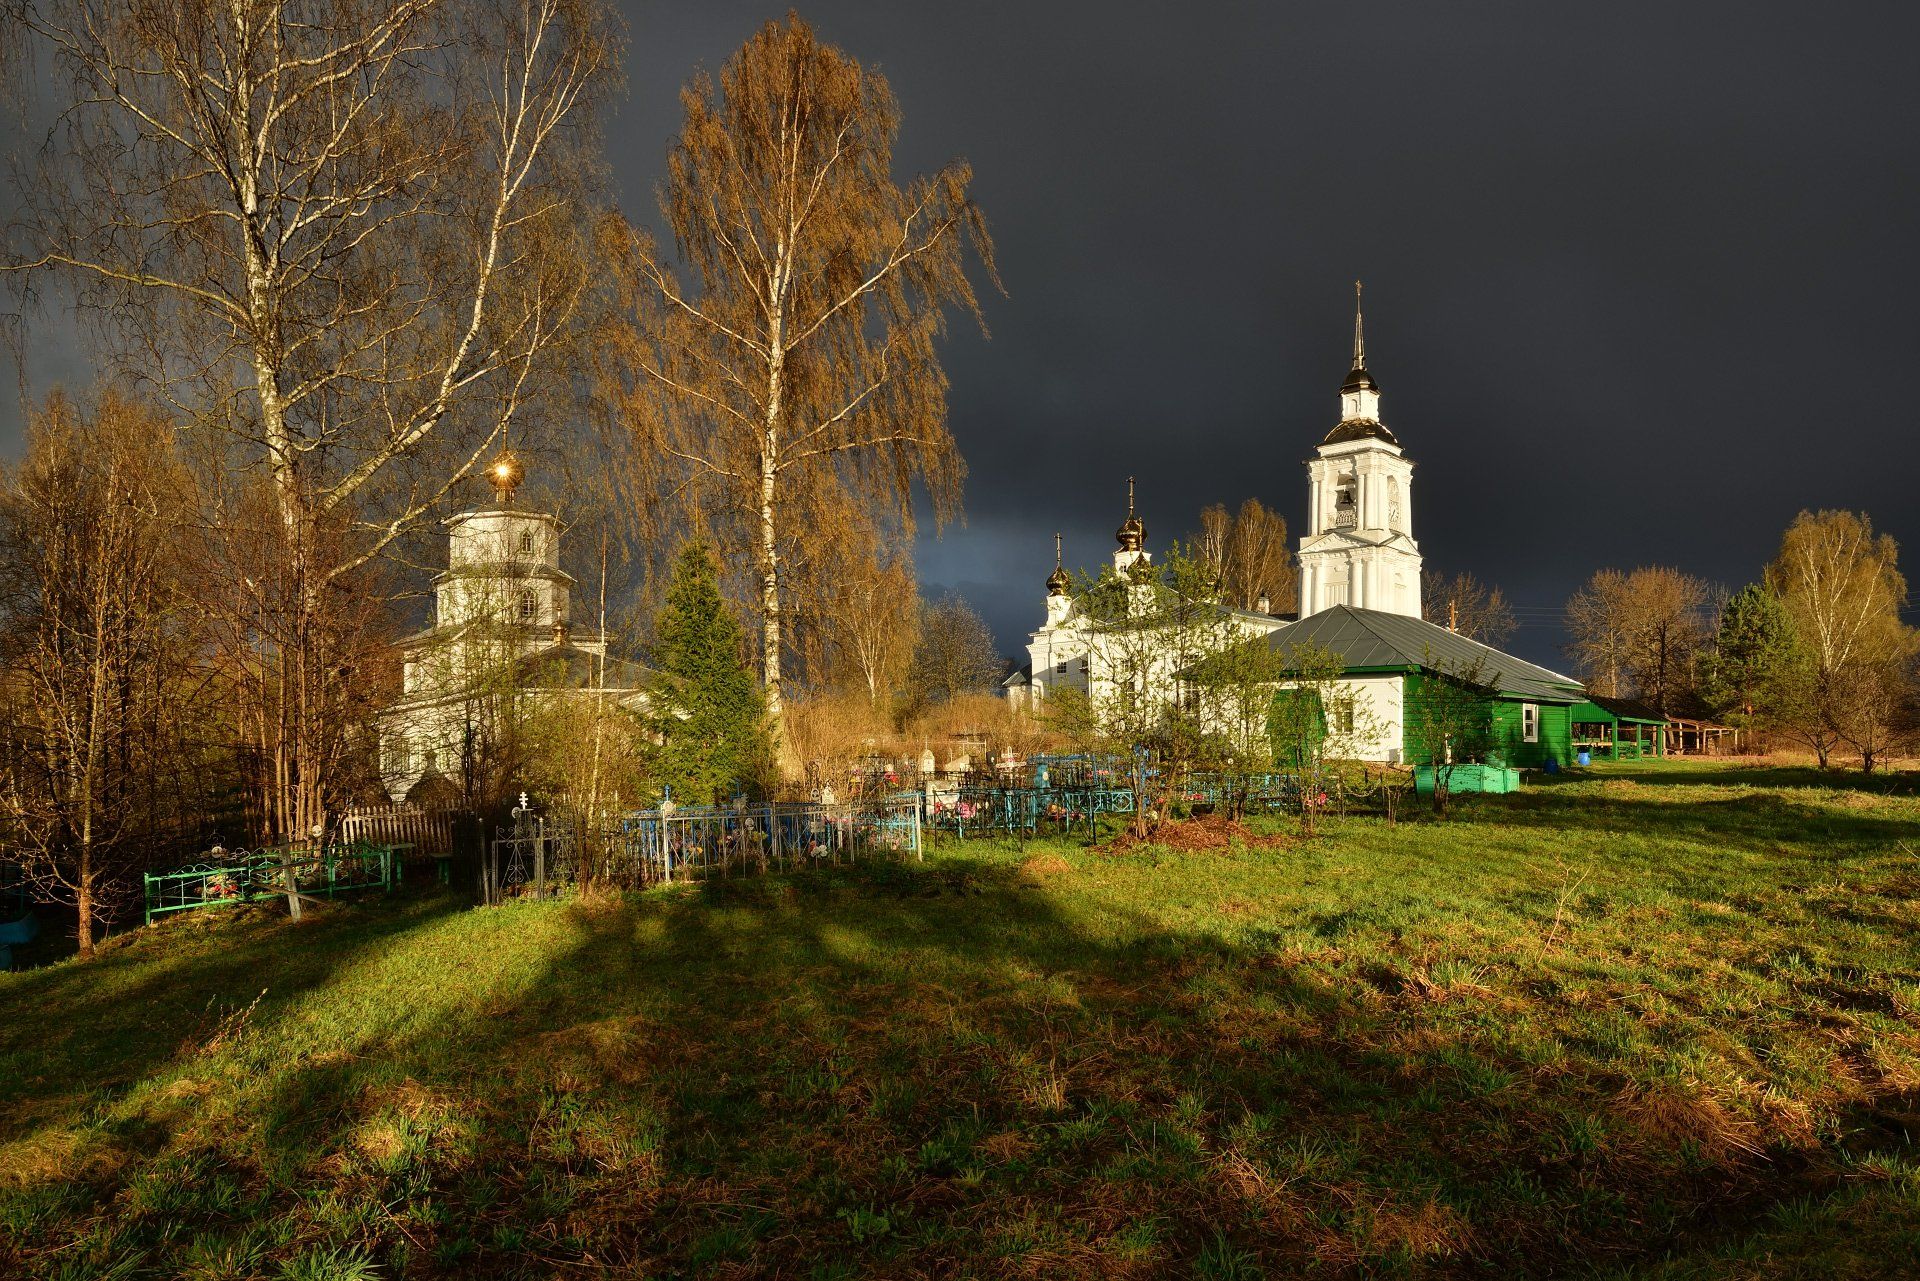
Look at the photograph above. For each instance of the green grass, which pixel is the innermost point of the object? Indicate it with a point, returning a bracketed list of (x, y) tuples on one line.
[(1658, 1020)]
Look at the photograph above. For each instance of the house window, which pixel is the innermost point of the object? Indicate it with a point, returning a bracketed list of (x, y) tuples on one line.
[(1343, 716), (526, 542), (1530, 722), (527, 605)]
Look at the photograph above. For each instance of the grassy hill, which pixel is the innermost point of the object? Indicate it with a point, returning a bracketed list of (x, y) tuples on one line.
[(1656, 1022)]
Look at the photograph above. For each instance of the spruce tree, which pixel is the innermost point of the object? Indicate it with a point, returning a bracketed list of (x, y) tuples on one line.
[(708, 709), (1758, 669)]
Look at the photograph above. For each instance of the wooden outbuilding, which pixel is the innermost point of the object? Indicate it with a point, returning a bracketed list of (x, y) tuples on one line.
[(1618, 729)]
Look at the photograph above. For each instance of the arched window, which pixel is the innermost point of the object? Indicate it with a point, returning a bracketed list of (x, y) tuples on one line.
[(527, 604), (526, 542)]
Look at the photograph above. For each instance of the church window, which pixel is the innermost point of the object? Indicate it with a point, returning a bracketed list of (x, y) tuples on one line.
[(1344, 504), (1060, 668), (526, 542), (527, 604), (1084, 667), (1530, 722)]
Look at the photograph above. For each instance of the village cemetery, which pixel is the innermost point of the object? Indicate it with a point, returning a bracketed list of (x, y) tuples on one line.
[(486, 789)]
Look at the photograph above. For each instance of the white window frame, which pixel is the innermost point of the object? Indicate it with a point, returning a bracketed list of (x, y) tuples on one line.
[(529, 605), (1529, 722), (1342, 718), (526, 542)]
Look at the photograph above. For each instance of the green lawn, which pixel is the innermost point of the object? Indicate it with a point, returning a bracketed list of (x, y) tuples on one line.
[(1657, 1020)]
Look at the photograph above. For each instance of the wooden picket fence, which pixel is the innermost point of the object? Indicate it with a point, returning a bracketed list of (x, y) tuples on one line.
[(428, 831)]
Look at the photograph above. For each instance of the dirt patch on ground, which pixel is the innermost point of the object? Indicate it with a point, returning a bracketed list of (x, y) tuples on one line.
[(1211, 834), (1041, 868)]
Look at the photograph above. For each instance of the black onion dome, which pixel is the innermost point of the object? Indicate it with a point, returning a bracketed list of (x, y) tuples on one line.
[(1359, 380), (1361, 429)]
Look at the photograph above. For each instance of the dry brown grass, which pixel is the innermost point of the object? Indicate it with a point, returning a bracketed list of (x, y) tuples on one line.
[(1041, 868), (834, 729)]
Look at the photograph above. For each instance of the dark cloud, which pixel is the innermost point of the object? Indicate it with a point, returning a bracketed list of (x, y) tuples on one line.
[(1641, 279)]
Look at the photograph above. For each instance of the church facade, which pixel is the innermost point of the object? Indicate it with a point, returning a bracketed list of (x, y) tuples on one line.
[(1358, 548), (502, 633), (1359, 598), (1072, 650)]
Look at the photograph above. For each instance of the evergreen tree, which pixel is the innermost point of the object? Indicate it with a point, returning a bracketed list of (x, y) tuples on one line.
[(1757, 669), (709, 711)]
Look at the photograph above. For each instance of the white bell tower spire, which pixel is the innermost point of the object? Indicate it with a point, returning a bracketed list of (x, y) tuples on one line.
[(1358, 548)]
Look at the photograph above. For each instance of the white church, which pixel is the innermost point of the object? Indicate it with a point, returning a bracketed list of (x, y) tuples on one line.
[(502, 633), (1359, 581)]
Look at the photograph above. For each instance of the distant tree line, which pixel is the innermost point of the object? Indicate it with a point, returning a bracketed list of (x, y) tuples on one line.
[(1815, 654)]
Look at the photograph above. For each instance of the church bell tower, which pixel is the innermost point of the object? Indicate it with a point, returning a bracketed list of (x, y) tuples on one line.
[(1358, 548)]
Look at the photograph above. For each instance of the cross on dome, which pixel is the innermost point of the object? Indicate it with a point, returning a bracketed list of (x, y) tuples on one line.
[(1057, 581), (505, 473), (1133, 531)]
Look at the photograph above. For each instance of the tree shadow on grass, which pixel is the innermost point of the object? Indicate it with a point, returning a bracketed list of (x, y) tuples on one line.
[(1709, 772), (922, 1070), (83, 1031), (1757, 819), (957, 1068)]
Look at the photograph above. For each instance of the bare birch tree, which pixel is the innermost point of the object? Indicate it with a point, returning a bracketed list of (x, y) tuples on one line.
[(100, 669), (877, 624), (795, 372), (1597, 620), (340, 235), (955, 654), (1462, 603), (1638, 633), (1841, 584), (1247, 551)]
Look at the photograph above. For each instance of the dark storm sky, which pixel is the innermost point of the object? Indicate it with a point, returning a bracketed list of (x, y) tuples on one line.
[(1641, 280)]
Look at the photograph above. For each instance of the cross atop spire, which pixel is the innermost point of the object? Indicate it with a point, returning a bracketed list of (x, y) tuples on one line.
[(1359, 338), (1358, 379), (1058, 582), (1133, 531)]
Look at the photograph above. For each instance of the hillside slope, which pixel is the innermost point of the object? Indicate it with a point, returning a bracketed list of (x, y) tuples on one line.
[(1656, 1022)]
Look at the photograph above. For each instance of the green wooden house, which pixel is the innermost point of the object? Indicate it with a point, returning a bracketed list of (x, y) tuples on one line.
[(1525, 712), (1618, 729)]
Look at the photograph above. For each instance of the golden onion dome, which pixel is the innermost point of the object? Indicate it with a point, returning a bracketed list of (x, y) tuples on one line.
[(1058, 582), (505, 473)]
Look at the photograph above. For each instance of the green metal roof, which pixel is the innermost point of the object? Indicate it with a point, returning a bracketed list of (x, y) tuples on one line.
[(1621, 709), (1372, 638)]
